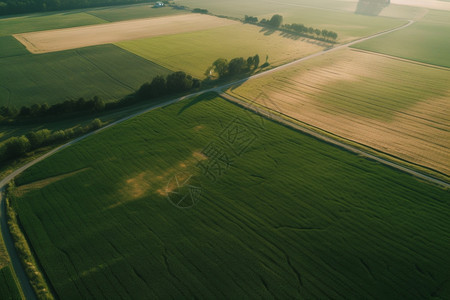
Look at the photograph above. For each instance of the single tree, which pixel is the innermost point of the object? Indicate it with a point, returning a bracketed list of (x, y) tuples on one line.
[(276, 21), (221, 66), (256, 61)]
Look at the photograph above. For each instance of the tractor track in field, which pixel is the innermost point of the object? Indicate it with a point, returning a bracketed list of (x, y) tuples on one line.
[(18, 268)]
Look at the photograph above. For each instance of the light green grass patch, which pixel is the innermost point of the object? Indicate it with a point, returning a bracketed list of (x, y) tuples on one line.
[(106, 71), (194, 52), (290, 217), (122, 13), (38, 22), (425, 41)]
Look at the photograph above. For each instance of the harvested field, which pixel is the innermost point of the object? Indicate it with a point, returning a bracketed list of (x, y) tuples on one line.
[(395, 106), (72, 38)]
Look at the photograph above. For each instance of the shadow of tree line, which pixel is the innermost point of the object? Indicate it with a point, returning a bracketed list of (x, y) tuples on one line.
[(371, 7)]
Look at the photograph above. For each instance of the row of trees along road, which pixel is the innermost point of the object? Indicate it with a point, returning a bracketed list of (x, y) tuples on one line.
[(223, 68), (277, 22)]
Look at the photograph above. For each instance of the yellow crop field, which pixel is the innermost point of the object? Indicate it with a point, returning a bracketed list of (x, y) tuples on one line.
[(194, 52), (396, 106)]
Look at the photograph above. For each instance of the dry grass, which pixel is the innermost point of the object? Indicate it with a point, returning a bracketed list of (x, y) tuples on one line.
[(395, 106), (84, 36)]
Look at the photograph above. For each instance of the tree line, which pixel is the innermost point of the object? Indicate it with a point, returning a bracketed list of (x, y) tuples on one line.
[(16, 147), (277, 22), (200, 11), (160, 86), (26, 6), (238, 65), (310, 31)]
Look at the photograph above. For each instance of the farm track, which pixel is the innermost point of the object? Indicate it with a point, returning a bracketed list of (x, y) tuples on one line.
[(25, 286)]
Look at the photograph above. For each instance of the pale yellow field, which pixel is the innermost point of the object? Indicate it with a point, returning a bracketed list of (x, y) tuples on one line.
[(83, 36), (395, 106), (194, 52)]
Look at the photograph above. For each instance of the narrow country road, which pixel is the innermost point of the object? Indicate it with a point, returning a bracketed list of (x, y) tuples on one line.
[(15, 261), (23, 280)]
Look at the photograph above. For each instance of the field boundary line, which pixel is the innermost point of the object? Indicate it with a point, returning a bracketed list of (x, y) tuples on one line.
[(402, 59), (101, 70)]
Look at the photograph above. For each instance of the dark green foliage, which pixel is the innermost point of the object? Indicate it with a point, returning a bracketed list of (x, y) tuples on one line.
[(18, 6), (237, 66), (17, 147), (200, 10), (301, 29), (98, 104), (276, 21), (250, 19), (221, 66), (291, 218), (38, 138), (178, 82), (8, 286), (41, 111), (158, 86), (256, 61)]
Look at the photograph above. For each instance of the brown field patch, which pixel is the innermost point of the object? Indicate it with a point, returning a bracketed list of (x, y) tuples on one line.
[(150, 181), (397, 107), (84, 36)]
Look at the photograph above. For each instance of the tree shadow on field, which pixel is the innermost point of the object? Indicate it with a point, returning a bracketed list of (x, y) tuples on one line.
[(295, 37), (204, 97), (267, 31)]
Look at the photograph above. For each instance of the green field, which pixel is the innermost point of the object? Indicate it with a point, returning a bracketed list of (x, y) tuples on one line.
[(348, 25), (274, 221), (425, 41), (194, 52), (106, 71), (8, 286), (66, 19), (46, 21)]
